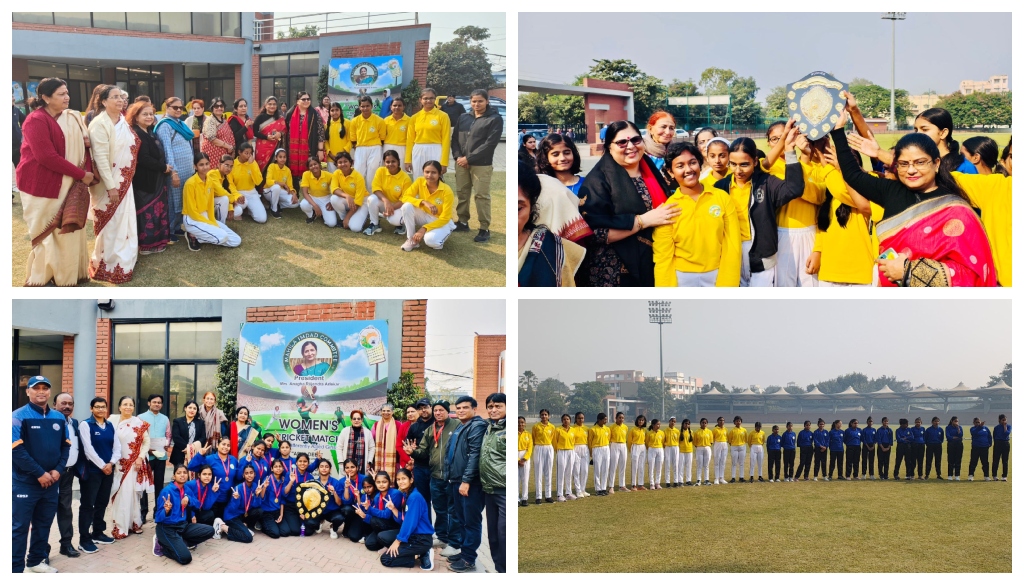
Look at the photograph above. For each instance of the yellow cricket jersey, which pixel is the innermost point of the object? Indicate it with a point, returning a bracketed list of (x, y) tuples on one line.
[(277, 173), (710, 180), (737, 437), (847, 253), (443, 198), (579, 434), (392, 186), (755, 438), (352, 184), (563, 439), (671, 437), (365, 131), (701, 438), (637, 436), (992, 194), (598, 436), (396, 132), (655, 439), (686, 441), (336, 144), (741, 199), (215, 182), (803, 211), (246, 175), (433, 127), (543, 433), (318, 187), (197, 199), (704, 237), (618, 433), (721, 435), (526, 444)]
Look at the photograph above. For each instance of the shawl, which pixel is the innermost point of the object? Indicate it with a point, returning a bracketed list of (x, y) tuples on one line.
[(212, 421), (386, 437), (44, 215), (177, 125), (559, 210), (654, 149), (356, 448), (547, 260), (298, 143)]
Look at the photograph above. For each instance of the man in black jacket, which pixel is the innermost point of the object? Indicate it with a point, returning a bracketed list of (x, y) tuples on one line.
[(475, 137), (453, 108), (64, 403), (414, 434), (462, 471)]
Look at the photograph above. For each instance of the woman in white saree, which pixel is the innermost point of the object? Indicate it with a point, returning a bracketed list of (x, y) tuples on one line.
[(114, 150), (133, 475)]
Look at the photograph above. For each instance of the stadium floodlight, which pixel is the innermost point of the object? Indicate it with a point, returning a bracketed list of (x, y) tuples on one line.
[(660, 312), (893, 16)]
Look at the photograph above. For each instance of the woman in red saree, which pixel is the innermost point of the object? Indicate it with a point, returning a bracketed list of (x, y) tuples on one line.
[(935, 236), (217, 138), (268, 129), (303, 136)]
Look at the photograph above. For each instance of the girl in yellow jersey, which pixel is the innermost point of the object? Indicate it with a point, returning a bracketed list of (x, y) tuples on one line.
[(756, 441), (427, 210), (396, 128), (389, 183), (598, 440), (737, 448), (316, 194), (366, 131), (618, 453), (565, 459), (638, 451), (348, 189), (197, 206), (702, 245), (278, 189), (716, 162), (702, 441), (246, 175), (720, 449), (225, 194), (993, 195), (337, 137), (429, 136), (525, 447), (684, 453), (671, 451), (581, 467), (655, 443), (543, 456)]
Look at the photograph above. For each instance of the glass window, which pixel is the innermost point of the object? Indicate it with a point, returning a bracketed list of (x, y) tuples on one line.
[(133, 341), (222, 71), (231, 24), (197, 71), (276, 65), (182, 388), (73, 19), (176, 22), (124, 381), (266, 87), (121, 74), (295, 85), (206, 23), (144, 21), (42, 347), (151, 381), (304, 64), (42, 69), (34, 17), (195, 340), (206, 380), (114, 20), (82, 73)]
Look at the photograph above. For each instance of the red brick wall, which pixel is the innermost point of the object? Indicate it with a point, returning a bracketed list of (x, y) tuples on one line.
[(103, 332), (602, 84), (126, 33), (498, 92), (375, 50), (414, 335), (67, 375), (486, 349), (257, 99), (363, 310), (267, 27), (419, 69)]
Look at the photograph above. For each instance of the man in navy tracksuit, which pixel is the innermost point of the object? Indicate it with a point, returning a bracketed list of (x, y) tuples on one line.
[(867, 452), (903, 452), (917, 448), (884, 438), (852, 439), (39, 455), (462, 470), (933, 437)]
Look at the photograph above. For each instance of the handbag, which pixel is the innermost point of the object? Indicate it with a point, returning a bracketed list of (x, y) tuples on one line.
[(72, 213)]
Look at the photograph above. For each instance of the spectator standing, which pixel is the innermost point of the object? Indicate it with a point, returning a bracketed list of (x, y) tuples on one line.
[(453, 108), (431, 452), (462, 470), (159, 442), (492, 476), (65, 404), (101, 452), (19, 119), (474, 140), (414, 436)]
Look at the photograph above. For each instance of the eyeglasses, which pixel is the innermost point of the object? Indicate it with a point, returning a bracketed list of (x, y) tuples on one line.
[(919, 164), (774, 139), (305, 99), (215, 106), (635, 141), (174, 108)]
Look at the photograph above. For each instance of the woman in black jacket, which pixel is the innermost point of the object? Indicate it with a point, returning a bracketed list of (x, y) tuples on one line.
[(185, 431), (240, 123), (621, 200), (149, 182)]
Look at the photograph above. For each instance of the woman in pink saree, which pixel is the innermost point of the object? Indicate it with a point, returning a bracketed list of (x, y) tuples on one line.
[(133, 476)]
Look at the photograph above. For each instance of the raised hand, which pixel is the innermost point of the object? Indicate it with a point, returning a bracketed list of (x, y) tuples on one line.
[(167, 505), (409, 445), (866, 145), (390, 505), (294, 475), (330, 488), (216, 483), (184, 502), (234, 492)]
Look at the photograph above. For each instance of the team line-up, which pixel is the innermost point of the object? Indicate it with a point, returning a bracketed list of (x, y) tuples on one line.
[(570, 448)]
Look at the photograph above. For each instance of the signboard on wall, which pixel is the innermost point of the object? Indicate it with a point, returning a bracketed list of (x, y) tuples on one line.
[(350, 78), (300, 381)]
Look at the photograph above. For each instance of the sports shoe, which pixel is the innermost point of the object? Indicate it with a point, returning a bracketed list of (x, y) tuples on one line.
[(549, 500), (372, 229), (319, 527), (193, 243), (42, 567), (362, 540), (538, 501), (828, 479), (744, 481), (454, 558), (957, 478), (101, 538), (251, 533), (970, 478), (716, 482), (158, 550), (409, 246), (570, 497), (462, 566), (334, 534), (88, 547), (815, 478), (759, 478), (427, 560), (400, 230), (640, 488), (180, 232), (450, 551), (461, 227), (625, 489), (562, 498), (482, 236), (988, 479), (217, 523), (275, 214), (1003, 479), (193, 547), (311, 219)]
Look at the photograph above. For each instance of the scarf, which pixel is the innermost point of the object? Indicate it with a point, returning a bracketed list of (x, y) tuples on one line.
[(653, 148), (356, 449), (298, 143), (559, 210), (178, 125), (386, 436), (212, 420)]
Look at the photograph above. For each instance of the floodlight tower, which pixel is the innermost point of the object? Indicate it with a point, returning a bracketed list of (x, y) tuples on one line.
[(660, 312), (893, 16)]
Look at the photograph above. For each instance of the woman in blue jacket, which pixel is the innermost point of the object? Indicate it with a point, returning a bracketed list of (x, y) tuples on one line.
[(332, 512), (835, 449), (917, 448), (933, 437), (852, 440), (805, 442), (821, 440), (279, 485), (981, 440), (358, 531), (224, 467), (954, 449), (1000, 447), (885, 439), (259, 460), (243, 509), (175, 533), (788, 452), (382, 512), (284, 453), (904, 438), (867, 451), (773, 444), (202, 495), (415, 537), (350, 487)]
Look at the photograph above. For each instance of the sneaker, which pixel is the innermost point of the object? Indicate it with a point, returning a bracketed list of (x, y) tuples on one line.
[(334, 534), (570, 497), (716, 482), (957, 478), (970, 478), (462, 566), (193, 243), (319, 528), (102, 539), (88, 547), (744, 481), (940, 477), (180, 232), (759, 478), (372, 229), (311, 219), (42, 567), (988, 479), (193, 547), (482, 236), (172, 240), (1003, 479), (217, 523), (828, 479), (625, 489), (450, 551), (639, 488), (427, 560), (461, 227), (537, 501), (409, 246), (362, 540), (251, 533), (562, 498), (439, 542), (400, 231), (275, 214), (815, 478), (158, 550), (549, 500)]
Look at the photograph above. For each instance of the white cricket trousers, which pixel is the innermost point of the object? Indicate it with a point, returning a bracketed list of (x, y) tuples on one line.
[(655, 462), (543, 459), (684, 471), (601, 456), (220, 234), (765, 278), (421, 153), (739, 453), (756, 459), (399, 148), (329, 216), (221, 208), (639, 454), (524, 478), (696, 279), (721, 449), (581, 470), (703, 463), (414, 218), (367, 159), (565, 460), (671, 464), (795, 246), (376, 208), (254, 206), (279, 198), (616, 464)]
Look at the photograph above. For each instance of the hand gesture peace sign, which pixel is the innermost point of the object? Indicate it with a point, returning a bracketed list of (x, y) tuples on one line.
[(390, 505), (234, 492), (167, 505), (294, 475), (216, 483)]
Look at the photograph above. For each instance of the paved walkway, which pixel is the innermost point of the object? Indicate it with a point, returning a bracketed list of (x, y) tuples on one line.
[(317, 553)]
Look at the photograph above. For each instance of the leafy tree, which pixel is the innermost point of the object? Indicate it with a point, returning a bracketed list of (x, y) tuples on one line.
[(745, 110), (1006, 376), (772, 389), (411, 97), (404, 393), (714, 384), (460, 65), (860, 81), (533, 109), (775, 103), (227, 377), (563, 110), (550, 395), (528, 383), (321, 85), (873, 101), (648, 92), (311, 30), (978, 109), (588, 398), (677, 88), (650, 392)]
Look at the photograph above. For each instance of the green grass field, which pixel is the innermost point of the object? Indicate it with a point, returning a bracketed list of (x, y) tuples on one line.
[(888, 140), (834, 527), (288, 252)]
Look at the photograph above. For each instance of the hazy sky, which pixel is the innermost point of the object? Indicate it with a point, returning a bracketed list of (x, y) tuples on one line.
[(739, 343), (932, 50), (450, 328)]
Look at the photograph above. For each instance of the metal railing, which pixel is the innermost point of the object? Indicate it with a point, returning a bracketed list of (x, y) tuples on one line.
[(330, 22)]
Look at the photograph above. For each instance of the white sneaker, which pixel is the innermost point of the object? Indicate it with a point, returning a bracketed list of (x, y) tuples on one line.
[(1003, 479), (334, 534), (815, 478), (319, 528), (42, 567), (970, 478), (561, 499), (409, 246), (449, 551), (362, 540), (217, 523), (569, 497), (988, 479), (957, 478), (251, 533), (439, 542), (716, 482), (430, 561)]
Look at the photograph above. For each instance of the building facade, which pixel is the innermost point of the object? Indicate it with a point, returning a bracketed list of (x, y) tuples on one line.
[(994, 84), (488, 366)]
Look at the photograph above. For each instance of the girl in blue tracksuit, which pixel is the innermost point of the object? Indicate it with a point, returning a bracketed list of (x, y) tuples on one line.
[(835, 449), (259, 460), (805, 442), (933, 438), (773, 444), (244, 508), (415, 537), (174, 532), (885, 439), (225, 468), (331, 512), (358, 531), (917, 447), (788, 452), (904, 439), (279, 485), (1000, 447), (350, 486), (852, 439), (867, 452), (821, 440), (382, 512), (202, 495), (284, 453), (954, 448), (981, 440)]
